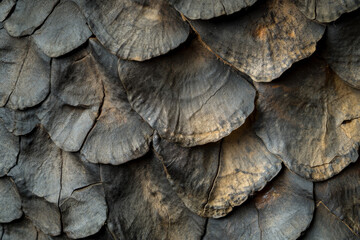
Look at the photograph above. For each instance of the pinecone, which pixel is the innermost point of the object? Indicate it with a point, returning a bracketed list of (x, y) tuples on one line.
[(179, 119)]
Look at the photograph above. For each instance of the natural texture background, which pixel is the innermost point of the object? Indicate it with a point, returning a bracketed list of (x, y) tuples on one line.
[(179, 119)]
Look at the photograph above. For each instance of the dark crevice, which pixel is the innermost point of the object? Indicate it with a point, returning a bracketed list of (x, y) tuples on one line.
[(107, 204), (208, 47), (77, 106), (97, 118), (85, 187), (111, 233), (100, 175), (3, 232), (131, 105), (10, 12), (51, 66), (205, 229), (41, 24), (214, 179), (206, 101), (20, 70), (81, 58), (48, 94), (223, 7), (258, 220), (59, 198), (339, 219), (313, 200), (346, 121), (17, 156), (169, 224), (37, 106)]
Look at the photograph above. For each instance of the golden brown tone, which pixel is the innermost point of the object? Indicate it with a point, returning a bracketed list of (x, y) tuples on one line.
[(179, 119)]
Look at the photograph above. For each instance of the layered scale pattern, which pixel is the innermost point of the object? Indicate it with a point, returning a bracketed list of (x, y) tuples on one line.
[(179, 119)]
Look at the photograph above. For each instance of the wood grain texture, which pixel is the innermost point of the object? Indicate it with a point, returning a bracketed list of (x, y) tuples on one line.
[(27, 16), (63, 31), (179, 119), (195, 100), (50, 177), (326, 10), (309, 119), (25, 72), (9, 150), (20, 122), (23, 229), (119, 134), (282, 210), (207, 9), (44, 215), (5, 8), (341, 195), (70, 111), (12, 55), (10, 202), (146, 208), (342, 50), (327, 226), (264, 41), (134, 29), (213, 178), (33, 80)]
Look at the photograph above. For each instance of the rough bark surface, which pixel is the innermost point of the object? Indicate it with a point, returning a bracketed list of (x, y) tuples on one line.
[(10, 201), (180, 100), (282, 210), (207, 9), (67, 20), (213, 178), (5, 8), (342, 50), (135, 29), (326, 10), (146, 208), (341, 196), (309, 118), (28, 15), (179, 119), (119, 134), (262, 42)]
